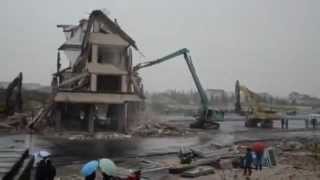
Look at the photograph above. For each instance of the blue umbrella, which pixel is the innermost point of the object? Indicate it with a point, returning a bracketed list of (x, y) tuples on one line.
[(89, 168)]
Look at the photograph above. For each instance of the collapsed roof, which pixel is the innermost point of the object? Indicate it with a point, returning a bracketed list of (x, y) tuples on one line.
[(77, 36)]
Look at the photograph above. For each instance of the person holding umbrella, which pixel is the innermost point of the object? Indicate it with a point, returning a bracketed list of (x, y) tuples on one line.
[(258, 149), (108, 168), (44, 168), (92, 176), (51, 170), (89, 170), (41, 171), (38, 156)]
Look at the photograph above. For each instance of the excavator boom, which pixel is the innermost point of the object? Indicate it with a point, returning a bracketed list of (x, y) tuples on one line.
[(160, 60), (205, 113)]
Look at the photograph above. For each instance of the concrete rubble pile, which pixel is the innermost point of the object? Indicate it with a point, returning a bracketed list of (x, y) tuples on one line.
[(160, 129), (280, 156), (215, 162), (99, 136), (17, 121), (41, 119), (26, 121), (221, 158), (214, 151), (291, 146)]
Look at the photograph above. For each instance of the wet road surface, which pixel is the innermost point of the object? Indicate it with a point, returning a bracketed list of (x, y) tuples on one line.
[(65, 151)]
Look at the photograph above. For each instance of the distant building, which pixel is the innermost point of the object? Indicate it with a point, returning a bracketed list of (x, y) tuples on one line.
[(303, 99), (266, 97), (216, 93)]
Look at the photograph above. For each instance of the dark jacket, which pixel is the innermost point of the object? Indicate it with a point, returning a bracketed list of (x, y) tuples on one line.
[(106, 177), (91, 177), (45, 170), (248, 159), (41, 170), (51, 170)]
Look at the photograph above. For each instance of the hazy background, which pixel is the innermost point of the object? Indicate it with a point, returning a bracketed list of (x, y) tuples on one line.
[(269, 45)]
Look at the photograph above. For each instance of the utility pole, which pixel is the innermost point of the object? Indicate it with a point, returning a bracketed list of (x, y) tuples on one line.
[(58, 67), (237, 96)]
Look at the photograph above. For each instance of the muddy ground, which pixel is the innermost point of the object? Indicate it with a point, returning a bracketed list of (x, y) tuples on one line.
[(296, 160), (153, 154)]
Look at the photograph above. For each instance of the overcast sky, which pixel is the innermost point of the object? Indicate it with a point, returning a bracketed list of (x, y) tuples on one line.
[(269, 45)]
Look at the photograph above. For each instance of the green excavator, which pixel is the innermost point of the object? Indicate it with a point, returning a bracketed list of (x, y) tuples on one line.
[(207, 118)]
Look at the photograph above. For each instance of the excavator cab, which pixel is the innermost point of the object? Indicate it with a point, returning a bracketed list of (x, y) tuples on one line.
[(208, 120), (216, 115)]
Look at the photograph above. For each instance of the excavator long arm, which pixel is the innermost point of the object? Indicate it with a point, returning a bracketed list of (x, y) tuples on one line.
[(204, 99), (202, 93), (160, 60)]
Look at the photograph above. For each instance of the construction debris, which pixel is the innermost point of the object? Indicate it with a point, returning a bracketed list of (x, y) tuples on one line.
[(198, 171), (203, 152), (213, 161), (160, 129), (5, 126), (96, 136), (40, 119), (17, 121), (304, 159), (292, 146)]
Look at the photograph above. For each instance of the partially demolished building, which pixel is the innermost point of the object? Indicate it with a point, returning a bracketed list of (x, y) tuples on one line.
[(99, 90)]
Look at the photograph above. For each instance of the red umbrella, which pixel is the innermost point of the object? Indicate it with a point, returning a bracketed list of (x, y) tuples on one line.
[(258, 147)]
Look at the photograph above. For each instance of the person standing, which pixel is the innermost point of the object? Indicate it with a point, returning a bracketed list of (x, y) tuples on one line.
[(287, 123), (258, 149), (45, 170), (51, 170), (41, 170), (282, 123), (91, 176), (106, 176), (313, 122), (248, 163)]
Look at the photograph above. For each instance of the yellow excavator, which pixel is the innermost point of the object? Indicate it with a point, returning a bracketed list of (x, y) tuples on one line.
[(256, 111)]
